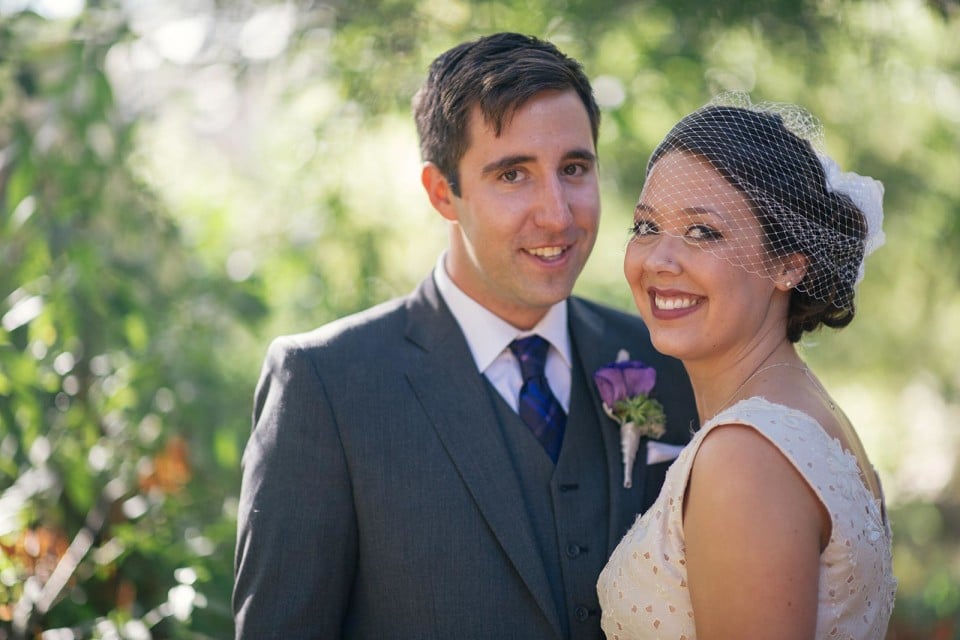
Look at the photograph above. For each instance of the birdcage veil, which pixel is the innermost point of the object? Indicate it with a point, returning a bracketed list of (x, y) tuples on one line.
[(789, 197)]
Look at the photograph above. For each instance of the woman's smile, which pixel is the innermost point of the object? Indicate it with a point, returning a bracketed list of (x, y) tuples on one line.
[(667, 304)]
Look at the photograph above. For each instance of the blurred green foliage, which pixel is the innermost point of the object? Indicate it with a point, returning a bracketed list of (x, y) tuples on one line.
[(180, 181)]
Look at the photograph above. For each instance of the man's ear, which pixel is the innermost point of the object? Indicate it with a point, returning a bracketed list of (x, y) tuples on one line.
[(791, 272), (438, 190)]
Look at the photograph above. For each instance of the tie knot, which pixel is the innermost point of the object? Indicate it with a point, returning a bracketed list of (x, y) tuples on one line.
[(532, 354)]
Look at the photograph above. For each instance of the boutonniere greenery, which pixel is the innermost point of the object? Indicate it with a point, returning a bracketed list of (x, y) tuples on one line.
[(624, 386)]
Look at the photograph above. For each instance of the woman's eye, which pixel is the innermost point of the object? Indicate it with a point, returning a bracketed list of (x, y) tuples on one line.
[(700, 232), (642, 228)]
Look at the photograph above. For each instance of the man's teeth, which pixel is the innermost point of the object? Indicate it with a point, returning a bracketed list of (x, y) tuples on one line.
[(673, 303), (546, 252)]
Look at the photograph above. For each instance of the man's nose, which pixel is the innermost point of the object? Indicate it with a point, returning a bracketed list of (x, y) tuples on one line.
[(553, 207)]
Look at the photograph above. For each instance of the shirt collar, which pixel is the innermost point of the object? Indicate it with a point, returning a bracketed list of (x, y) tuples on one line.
[(488, 335)]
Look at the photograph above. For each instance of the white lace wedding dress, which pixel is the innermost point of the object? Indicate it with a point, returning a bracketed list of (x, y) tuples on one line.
[(643, 589)]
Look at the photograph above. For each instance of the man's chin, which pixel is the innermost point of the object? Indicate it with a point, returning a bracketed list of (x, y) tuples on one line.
[(547, 295)]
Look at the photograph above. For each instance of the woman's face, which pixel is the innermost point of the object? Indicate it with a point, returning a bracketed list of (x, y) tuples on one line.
[(697, 266)]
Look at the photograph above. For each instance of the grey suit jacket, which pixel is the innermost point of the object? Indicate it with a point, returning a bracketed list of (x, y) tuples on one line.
[(378, 498)]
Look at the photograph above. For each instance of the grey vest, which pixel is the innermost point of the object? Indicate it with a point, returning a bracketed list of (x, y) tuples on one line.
[(567, 505)]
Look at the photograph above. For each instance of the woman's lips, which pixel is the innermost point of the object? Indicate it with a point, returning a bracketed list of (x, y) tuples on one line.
[(671, 304)]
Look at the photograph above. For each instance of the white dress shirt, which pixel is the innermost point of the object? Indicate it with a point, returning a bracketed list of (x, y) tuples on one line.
[(489, 338)]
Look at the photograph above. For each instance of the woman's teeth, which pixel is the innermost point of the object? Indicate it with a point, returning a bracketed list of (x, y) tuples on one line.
[(675, 302)]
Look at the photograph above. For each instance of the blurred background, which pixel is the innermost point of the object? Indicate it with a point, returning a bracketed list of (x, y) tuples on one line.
[(181, 180)]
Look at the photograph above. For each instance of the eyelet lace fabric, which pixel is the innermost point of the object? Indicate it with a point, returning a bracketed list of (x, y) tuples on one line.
[(643, 590)]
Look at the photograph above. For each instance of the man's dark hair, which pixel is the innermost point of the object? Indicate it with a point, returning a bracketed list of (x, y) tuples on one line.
[(499, 73)]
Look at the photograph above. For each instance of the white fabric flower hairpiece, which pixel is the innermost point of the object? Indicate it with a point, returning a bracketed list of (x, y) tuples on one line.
[(867, 194)]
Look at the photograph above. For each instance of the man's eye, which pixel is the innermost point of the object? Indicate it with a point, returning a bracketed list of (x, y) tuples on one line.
[(510, 175), (574, 170)]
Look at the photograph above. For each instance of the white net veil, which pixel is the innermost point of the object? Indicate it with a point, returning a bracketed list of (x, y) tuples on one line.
[(748, 183)]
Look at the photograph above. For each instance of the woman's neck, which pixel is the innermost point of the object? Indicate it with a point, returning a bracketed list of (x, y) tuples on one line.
[(718, 383)]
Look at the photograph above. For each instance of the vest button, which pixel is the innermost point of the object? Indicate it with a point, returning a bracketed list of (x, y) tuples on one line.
[(581, 613), (573, 550)]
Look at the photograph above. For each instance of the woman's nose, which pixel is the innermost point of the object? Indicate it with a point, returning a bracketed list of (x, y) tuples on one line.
[(660, 253)]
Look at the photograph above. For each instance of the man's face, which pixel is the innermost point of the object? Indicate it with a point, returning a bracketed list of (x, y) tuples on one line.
[(527, 216)]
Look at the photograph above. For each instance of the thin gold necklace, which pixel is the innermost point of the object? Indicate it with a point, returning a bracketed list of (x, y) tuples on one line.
[(726, 403)]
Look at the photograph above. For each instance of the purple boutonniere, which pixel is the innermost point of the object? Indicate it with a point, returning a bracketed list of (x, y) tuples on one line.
[(624, 386)]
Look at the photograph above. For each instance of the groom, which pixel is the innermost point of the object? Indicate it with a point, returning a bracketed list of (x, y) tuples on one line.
[(414, 472)]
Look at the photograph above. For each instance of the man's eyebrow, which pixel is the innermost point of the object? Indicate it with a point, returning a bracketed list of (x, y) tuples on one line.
[(581, 154), (507, 162)]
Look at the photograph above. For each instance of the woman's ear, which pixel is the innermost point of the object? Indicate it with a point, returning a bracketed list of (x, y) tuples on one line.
[(438, 190), (792, 271)]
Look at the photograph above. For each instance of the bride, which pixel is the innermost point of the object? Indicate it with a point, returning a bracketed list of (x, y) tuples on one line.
[(771, 524)]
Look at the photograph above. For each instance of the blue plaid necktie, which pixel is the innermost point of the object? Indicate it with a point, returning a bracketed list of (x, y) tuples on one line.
[(538, 407)]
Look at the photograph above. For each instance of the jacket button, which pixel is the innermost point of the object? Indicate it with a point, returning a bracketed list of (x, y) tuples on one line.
[(573, 550), (581, 613)]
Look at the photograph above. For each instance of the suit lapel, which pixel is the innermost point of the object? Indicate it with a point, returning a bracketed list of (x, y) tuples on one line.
[(595, 349), (455, 397)]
